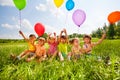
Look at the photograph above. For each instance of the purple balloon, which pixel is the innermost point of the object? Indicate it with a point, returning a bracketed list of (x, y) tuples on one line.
[(79, 17)]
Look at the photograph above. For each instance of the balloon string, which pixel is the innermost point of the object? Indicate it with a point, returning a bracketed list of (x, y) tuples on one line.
[(78, 32), (66, 17), (20, 19), (57, 13)]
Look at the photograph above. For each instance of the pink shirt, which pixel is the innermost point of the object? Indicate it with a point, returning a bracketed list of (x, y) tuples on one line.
[(52, 48)]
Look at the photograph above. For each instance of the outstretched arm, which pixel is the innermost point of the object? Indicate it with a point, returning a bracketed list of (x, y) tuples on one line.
[(55, 36), (66, 34), (23, 35), (101, 40), (61, 34)]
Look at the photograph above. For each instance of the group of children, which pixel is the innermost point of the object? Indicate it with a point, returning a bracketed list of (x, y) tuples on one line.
[(41, 49)]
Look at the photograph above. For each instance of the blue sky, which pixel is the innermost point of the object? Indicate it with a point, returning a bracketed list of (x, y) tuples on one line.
[(54, 19)]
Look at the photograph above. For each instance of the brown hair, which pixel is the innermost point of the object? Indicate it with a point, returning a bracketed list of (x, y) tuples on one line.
[(63, 37), (72, 41), (31, 35), (87, 36)]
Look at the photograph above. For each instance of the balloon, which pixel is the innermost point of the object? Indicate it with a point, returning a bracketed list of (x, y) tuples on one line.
[(79, 17), (39, 29), (114, 17), (70, 5), (58, 3), (20, 4)]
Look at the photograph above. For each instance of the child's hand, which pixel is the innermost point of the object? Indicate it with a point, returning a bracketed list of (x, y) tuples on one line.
[(54, 34), (49, 34), (20, 32), (64, 30)]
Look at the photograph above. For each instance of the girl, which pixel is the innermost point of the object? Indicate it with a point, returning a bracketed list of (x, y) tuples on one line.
[(52, 42), (89, 45), (63, 44), (76, 50)]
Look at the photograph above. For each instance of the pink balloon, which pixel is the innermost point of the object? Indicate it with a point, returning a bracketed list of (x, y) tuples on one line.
[(79, 17)]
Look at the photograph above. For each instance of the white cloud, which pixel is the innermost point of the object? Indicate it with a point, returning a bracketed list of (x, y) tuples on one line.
[(9, 26), (6, 3), (26, 23), (41, 7), (49, 6)]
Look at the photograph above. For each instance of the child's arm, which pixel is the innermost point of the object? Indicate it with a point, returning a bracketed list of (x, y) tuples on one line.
[(55, 36), (61, 34), (23, 35), (100, 41), (48, 37), (85, 50), (66, 34)]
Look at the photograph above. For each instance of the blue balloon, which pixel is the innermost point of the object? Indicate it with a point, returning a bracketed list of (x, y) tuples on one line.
[(70, 5)]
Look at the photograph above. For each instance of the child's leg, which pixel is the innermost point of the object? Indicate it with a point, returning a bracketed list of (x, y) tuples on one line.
[(23, 54), (61, 57), (54, 55), (31, 58), (69, 55), (44, 55)]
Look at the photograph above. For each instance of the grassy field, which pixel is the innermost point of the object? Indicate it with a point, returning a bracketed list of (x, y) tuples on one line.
[(87, 68)]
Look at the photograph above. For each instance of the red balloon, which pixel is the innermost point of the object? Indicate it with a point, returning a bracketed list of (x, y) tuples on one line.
[(39, 29), (114, 17)]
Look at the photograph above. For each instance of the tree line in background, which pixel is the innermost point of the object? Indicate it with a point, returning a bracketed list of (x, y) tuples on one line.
[(112, 31)]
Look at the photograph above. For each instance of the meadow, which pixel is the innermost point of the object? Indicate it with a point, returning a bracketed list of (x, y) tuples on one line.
[(87, 68)]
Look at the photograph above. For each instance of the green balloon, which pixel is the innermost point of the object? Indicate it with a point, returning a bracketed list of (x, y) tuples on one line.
[(20, 4)]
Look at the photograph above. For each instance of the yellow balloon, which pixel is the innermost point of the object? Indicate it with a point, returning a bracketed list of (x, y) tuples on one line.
[(58, 3)]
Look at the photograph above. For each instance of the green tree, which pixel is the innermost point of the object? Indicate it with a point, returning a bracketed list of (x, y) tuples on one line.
[(99, 33), (111, 31), (105, 27), (94, 34), (45, 35), (117, 30)]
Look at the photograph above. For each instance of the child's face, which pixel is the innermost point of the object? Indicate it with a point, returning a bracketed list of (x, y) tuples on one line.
[(52, 40), (63, 40), (40, 42), (76, 42), (33, 38), (87, 40)]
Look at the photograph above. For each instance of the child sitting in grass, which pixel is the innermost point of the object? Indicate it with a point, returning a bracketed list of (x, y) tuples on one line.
[(31, 46), (76, 49), (52, 42), (40, 52), (63, 44), (89, 44)]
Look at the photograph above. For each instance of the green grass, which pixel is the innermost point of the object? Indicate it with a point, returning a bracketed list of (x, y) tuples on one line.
[(84, 69)]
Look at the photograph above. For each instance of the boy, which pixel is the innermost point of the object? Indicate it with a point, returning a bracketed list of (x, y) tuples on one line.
[(31, 47), (63, 45)]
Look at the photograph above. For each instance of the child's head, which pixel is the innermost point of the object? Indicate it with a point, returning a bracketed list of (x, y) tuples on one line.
[(63, 39), (52, 40), (32, 37), (75, 42), (41, 41), (87, 39)]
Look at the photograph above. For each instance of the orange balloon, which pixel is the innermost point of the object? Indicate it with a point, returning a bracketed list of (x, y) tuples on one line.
[(114, 17)]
